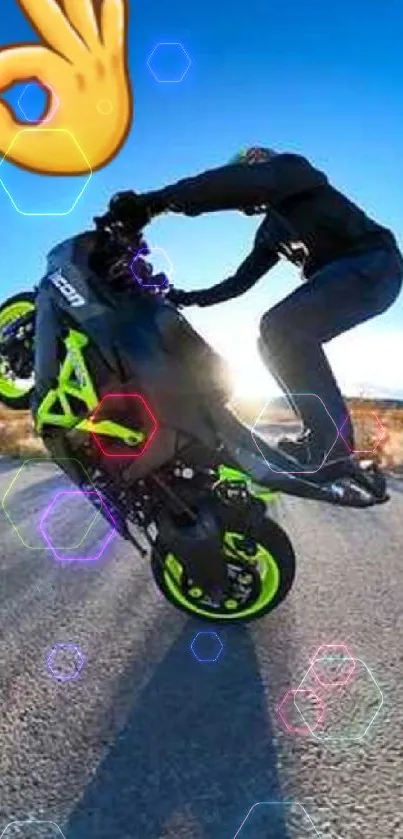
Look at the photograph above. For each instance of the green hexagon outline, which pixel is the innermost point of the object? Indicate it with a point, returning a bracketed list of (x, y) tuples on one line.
[(276, 803), (341, 739), (48, 460), (32, 130)]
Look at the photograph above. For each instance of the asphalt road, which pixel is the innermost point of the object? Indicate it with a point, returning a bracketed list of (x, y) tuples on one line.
[(147, 742)]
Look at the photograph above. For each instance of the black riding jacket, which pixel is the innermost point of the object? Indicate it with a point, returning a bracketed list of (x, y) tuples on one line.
[(300, 206)]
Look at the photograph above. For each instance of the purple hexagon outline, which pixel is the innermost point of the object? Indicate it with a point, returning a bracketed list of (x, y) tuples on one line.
[(147, 251), (169, 44), (48, 540), (53, 109), (292, 471), (62, 646), (207, 660), (294, 729), (32, 821), (326, 739), (275, 804)]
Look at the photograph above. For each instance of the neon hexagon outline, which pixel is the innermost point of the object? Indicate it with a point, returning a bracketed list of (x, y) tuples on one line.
[(32, 131), (148, 251), (148, 440), (347, 657), (47, 539), (378, 439), (32, 821), (44, 460), (207, 660), (169, 44), (253, 431), (276, 804), (342, 738), (294, 729), (60, 645), (52, 110)]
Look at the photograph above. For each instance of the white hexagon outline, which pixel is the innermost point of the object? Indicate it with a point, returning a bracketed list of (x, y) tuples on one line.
[(148, 251), (276, 804), (33, 821), (33, 130), (46, 460), (52, 110), (169, 44), (343, 739), (207, 660), (292, 471), (379, 439)]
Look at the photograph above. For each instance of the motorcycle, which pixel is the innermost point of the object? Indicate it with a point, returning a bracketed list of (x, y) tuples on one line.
[(119, 381)]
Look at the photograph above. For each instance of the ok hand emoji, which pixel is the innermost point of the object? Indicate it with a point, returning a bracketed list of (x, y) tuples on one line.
[(81, 63)]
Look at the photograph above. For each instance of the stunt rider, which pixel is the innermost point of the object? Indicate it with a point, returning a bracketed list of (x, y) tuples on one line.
[(351, 267)]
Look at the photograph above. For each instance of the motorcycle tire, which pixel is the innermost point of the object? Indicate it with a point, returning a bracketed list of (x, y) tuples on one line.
[(15, 394), (264, 552)]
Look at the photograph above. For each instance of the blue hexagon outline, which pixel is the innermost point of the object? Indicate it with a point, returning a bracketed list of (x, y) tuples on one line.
[(289, 471), (32, 821), (275, 804), (56, 647), (342, 739), (32, 130), (52, 111), (207, 660), (13, 481), (169, 44)]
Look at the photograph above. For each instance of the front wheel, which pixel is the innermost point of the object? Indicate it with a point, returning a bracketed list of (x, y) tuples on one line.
[(17, 329), (261, 569)]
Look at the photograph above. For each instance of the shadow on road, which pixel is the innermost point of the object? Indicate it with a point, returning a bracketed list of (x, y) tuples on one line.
[(195, 754)]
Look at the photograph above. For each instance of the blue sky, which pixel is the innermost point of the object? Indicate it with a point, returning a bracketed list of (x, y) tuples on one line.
[(321, 79)]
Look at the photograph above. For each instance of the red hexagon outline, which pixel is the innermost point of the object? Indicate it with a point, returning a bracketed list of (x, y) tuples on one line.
[(347, 657), (293, 729), (292, 471), (276, 804), (148, 440), (343, 739), (169, 44), (378, 439), (53, 109), (32, 130)]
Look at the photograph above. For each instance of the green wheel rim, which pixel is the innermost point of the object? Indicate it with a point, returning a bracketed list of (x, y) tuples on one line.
[(8, 388), (269, 575)]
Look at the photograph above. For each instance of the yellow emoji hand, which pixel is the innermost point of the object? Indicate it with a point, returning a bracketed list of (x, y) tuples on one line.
[(81, 63)]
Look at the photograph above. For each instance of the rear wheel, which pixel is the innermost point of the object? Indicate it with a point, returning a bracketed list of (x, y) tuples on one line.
[(17, 317), (261, 568)]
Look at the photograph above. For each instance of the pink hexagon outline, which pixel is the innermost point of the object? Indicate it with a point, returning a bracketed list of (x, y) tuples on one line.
[(347, 657), (32, 821), (148, 250), (276, 804), (169, 44), (54, 97), (32, 130), (148, 440), (344, 739), (292, 471), (294, 730), (378, 439), (47, 538)]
